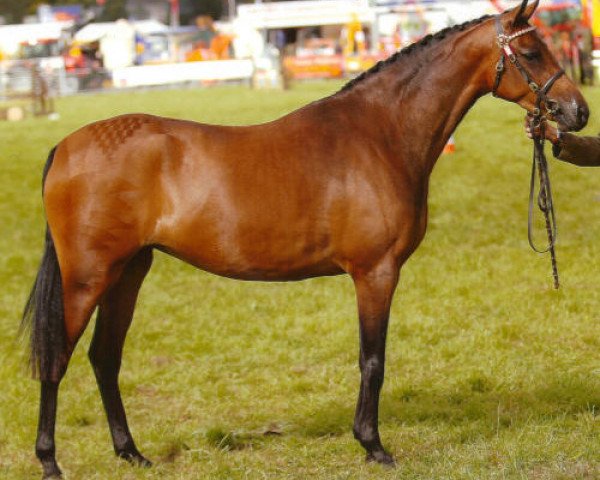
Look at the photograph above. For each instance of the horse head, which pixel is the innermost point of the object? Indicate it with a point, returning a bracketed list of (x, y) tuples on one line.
[(528, 74)]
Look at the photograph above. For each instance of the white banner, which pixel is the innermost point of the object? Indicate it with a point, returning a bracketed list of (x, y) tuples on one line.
[(163, 74)]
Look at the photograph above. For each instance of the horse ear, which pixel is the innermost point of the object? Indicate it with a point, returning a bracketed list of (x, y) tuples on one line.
[(522, 14)]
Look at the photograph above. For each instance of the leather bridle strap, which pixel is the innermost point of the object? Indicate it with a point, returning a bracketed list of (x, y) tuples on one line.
[(503, 41), (544, 201)]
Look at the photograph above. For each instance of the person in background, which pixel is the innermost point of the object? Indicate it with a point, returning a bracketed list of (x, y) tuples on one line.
[(583, 151)]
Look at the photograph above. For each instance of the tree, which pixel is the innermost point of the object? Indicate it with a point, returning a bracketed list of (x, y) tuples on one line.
[(13, 12), (113, 10), (190, 9)]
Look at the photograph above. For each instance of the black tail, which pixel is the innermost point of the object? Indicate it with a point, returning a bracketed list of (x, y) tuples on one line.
[(44, 313)]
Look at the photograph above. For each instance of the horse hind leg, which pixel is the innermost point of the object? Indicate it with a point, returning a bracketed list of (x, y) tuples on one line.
[(115, 313), (60, 306)]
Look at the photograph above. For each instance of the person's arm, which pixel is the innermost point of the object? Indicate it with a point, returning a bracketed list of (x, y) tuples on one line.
[(581, 151)]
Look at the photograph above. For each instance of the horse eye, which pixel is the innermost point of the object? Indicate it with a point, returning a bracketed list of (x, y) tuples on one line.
[(535, 55)]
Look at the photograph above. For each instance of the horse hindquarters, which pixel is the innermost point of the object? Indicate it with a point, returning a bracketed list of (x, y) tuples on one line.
[(85, 256)]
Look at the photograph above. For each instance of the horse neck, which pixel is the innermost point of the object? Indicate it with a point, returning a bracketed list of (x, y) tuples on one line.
[(420, 99)]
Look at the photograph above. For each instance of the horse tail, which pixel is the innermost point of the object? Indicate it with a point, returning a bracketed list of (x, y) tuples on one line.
[(43, 316)]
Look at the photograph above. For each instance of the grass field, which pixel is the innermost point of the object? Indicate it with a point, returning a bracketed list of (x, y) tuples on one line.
[(491, 374)]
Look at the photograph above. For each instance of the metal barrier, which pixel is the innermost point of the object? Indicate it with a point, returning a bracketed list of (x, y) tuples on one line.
[(20, 78), (32, 85)]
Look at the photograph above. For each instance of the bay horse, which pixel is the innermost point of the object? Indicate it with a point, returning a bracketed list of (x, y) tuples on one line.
[(336, 187)]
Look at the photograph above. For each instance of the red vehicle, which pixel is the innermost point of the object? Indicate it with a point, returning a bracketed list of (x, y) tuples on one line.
[(83, 63)]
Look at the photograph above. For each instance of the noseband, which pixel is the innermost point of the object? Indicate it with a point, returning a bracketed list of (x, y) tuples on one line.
[(503, 41)]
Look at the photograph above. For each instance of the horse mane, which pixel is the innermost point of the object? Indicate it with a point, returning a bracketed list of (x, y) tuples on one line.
[(413, 47)]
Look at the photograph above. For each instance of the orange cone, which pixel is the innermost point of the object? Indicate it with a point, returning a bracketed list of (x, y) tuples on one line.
[(450, 146)]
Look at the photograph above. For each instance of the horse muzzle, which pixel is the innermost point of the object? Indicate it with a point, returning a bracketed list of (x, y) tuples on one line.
[(570, 116)]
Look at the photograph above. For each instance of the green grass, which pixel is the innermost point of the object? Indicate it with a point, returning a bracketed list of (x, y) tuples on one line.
[(491, 374)]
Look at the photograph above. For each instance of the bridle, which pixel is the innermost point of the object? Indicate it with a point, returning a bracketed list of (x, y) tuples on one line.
[(544, 200), (503, 40)]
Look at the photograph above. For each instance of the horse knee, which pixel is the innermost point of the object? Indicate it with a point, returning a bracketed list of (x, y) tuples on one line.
[(372, 371)]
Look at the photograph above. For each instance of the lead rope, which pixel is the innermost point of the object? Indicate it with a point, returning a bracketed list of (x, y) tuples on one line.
[(544, 201)]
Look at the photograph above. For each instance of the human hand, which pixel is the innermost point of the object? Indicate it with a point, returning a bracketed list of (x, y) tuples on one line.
[(531, 129)]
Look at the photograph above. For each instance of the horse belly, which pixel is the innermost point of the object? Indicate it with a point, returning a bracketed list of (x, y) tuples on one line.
[(254, 236), (230, 250)]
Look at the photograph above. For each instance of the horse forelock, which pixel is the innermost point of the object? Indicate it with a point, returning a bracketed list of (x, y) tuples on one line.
[(425, 42)]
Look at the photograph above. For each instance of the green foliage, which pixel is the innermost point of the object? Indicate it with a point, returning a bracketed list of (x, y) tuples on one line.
[(113, 10), (12, 11), (490, 375), (190, 9)]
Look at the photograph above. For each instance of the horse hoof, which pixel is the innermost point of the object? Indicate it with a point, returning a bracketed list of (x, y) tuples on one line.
[(381, 457), (135, 458), (144, 462)]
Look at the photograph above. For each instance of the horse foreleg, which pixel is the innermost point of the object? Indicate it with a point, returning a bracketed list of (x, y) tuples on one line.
[(374, 291), (114, 318)]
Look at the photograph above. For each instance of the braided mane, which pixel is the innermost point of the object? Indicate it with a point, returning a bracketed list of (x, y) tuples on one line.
[(417, 46)]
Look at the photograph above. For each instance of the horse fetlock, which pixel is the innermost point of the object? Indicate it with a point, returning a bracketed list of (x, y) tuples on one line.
[(45, 449), (368, 437), (50, 469), (371, 442)]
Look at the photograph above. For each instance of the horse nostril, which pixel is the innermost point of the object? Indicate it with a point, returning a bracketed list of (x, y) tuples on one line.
[(553, 107), (583, 113)]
